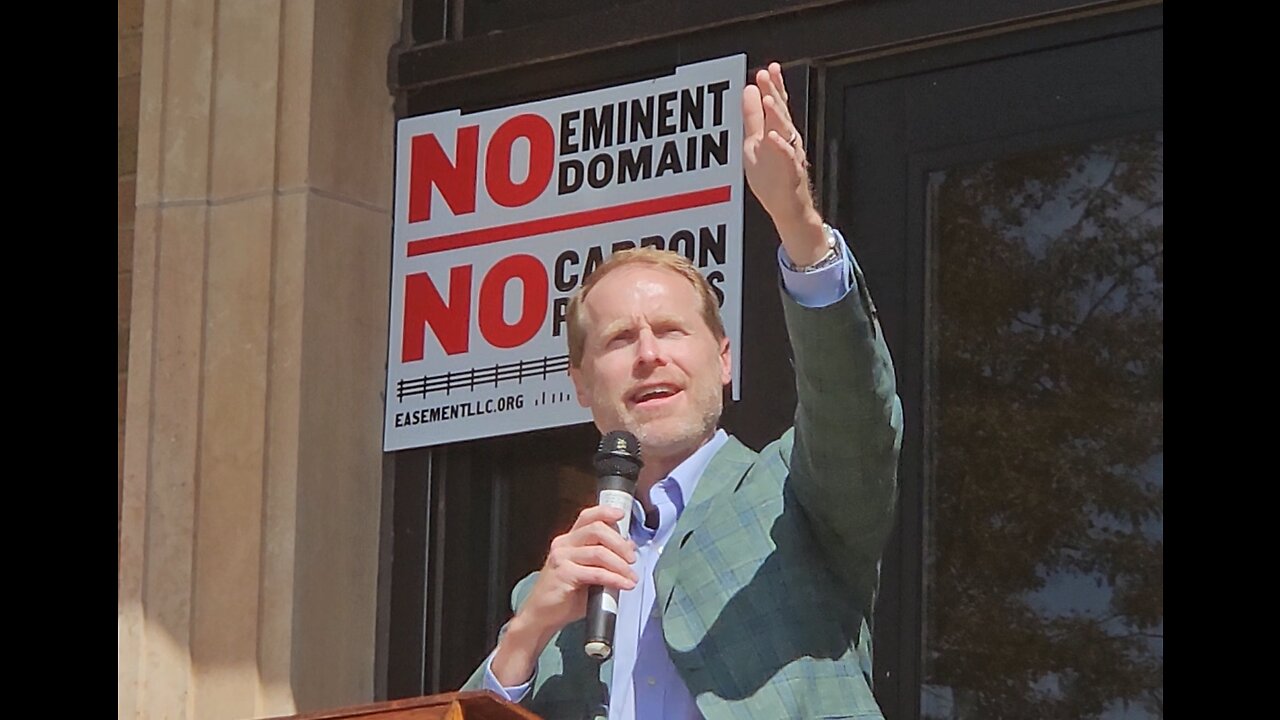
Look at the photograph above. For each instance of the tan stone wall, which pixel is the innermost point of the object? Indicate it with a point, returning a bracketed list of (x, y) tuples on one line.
[(128, 67), (252, 460)]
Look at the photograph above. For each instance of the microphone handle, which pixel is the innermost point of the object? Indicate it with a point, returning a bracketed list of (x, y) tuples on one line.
[(602, 603)]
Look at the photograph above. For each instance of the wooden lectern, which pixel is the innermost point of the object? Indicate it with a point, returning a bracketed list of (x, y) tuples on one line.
[(476, 705)]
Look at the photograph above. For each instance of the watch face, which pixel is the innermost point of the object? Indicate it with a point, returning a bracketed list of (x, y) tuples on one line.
[(831, 236)]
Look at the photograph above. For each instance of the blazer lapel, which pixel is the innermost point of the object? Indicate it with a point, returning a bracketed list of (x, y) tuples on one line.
[(730, 463)]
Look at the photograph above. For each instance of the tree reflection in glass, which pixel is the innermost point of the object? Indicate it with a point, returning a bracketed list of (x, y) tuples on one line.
[(1044, 540)]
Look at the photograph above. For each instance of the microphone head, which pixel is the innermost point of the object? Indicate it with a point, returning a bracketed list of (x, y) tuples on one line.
[(619, 454)]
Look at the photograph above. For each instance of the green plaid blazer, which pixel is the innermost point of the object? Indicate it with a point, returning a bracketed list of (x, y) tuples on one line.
[(768, 582)]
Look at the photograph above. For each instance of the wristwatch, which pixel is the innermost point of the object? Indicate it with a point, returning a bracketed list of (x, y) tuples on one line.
[(831, 258)]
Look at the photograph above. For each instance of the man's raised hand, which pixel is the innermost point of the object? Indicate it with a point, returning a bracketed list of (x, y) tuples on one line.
[(773, 157)]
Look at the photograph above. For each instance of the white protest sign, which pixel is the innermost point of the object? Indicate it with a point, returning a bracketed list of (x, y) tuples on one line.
[(499, 215)]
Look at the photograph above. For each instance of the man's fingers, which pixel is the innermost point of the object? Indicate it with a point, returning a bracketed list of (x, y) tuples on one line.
[(597, 513), (575, 565), (588, 575), (774, 157), (603, 535), (752, 112), (780, 123), (598, 556), (777, 119), (773, 92), (566, 561), (596, 525), (779, 85), (779, 145), (768, 95), (765, 111)]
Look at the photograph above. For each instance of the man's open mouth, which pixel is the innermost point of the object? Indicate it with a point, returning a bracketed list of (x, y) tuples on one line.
[(653, 394)]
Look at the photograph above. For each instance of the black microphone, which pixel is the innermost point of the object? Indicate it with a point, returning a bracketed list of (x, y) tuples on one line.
[(617, 464)]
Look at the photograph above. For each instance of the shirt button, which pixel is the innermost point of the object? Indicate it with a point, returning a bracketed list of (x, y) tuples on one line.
[(651, 680)]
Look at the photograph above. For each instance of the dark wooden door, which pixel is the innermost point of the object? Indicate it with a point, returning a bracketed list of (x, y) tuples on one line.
[(1005, 197)]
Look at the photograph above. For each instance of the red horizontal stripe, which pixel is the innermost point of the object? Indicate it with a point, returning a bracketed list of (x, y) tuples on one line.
[(569, 221)]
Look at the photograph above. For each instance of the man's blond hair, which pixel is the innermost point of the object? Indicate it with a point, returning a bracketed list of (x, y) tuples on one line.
[(665, 259)]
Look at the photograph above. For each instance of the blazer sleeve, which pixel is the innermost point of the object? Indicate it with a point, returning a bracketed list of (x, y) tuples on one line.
[(519, 594), (848, 431)]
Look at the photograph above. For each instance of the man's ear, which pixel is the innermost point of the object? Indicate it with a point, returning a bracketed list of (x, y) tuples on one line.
[(726, 362), (580, 387)]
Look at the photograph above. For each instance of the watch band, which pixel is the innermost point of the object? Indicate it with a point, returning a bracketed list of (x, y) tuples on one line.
[(830, 258)]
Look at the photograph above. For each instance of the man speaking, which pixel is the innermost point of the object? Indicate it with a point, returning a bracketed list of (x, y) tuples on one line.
[(747, 580)]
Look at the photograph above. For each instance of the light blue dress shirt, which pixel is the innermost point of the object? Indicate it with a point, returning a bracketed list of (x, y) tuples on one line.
[(645, 683)]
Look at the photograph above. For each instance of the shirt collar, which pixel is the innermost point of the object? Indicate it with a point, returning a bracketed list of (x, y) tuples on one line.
[(687, 474)]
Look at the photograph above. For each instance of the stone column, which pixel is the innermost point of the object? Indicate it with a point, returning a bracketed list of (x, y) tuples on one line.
[(252, 448)]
